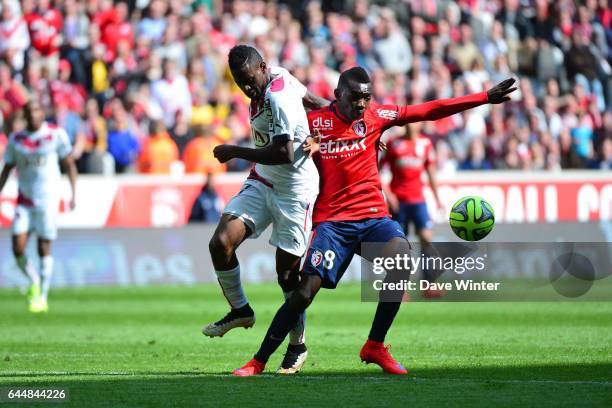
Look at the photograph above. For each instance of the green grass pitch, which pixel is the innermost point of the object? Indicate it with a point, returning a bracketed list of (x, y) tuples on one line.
[(143, 347)]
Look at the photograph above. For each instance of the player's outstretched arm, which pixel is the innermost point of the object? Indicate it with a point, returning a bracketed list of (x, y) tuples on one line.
[(6, 171), (71, 170), (442, 108), (280, 151), (312, 101), (499, 93)]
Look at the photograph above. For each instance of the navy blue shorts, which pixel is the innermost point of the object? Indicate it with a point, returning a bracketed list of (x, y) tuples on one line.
[(334, 243), (413, 214)]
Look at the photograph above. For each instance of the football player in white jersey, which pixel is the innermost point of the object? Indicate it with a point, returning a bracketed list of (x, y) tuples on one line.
[(281, 190), (36, 152)]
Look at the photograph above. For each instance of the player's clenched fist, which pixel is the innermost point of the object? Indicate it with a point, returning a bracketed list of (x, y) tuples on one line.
[(224, 153), (499, 93)]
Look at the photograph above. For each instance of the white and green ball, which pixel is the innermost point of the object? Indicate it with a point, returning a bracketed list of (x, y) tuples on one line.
[(472, 218)]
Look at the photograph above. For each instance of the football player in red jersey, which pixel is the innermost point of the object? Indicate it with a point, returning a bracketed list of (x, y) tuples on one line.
[(351, 208), (408, 156)]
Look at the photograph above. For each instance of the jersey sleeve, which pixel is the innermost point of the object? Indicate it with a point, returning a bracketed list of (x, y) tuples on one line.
[(282, 116), (9, 153), (393, 115), (64, 147)]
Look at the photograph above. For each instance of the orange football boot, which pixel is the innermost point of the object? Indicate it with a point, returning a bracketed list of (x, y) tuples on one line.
[(253, 367), (376, 352)]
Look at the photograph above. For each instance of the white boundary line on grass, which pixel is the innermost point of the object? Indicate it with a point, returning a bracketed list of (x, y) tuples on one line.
[(381, 378)]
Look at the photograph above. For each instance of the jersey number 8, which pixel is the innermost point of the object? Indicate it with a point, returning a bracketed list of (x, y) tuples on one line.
[(329, 256)]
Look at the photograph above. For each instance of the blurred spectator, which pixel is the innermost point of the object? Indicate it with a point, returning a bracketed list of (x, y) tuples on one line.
[(12, 94), (495, 45), (3, 137), (124, 62), (71, 121), (211, 66), (295, 52), (158, 151), (181, 134), (167, 61), (446, 163), (476, 159), (15, 123), (240, 132), (153, 26), (96, 137), (465, 53), (582, 67), (3, 143), (582, 137), (122, 142), (99, 74), (208, 205), (316, 29), (115, 29), (366, 56), (65, 92), (14, 35), (45, 24), (606, 155), (390, 44), (217, 108), (198, 156), (95, 125), (76, 38), (172, 93), (172, 46)]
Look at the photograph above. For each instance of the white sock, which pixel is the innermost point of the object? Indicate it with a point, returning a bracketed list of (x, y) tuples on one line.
[(232, 287), (46, 272), (297, 335), (26, 267)]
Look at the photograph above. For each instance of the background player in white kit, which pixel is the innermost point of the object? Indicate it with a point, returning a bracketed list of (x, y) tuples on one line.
[(281, 190), (37, 152)]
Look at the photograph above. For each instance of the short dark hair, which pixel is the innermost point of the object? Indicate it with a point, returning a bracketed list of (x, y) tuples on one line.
[(243, 55), (355, 74)]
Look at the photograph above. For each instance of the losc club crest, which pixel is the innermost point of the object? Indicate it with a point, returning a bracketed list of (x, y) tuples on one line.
[(316, 258), (359, 128)]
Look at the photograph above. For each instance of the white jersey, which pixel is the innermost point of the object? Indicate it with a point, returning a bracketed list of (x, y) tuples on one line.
[(36, 156), (281, 114)]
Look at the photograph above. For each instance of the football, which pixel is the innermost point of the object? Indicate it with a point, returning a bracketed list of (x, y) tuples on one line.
[(472, 218)]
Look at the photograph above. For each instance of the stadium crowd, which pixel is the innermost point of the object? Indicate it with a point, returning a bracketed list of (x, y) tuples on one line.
[(143, 85)]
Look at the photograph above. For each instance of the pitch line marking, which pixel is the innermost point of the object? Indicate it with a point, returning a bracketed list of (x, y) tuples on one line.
[(305, 377)]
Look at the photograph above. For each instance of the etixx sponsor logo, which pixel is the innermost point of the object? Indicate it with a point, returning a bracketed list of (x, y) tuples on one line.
[(342, 146)]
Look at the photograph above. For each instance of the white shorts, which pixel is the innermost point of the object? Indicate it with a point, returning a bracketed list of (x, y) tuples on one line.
[(258, 206), (40, 220)]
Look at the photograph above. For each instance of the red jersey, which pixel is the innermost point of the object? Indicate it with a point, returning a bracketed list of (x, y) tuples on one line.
[(45, 30), (408, 158), (350, 187), (69, 94), (113, 34)]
